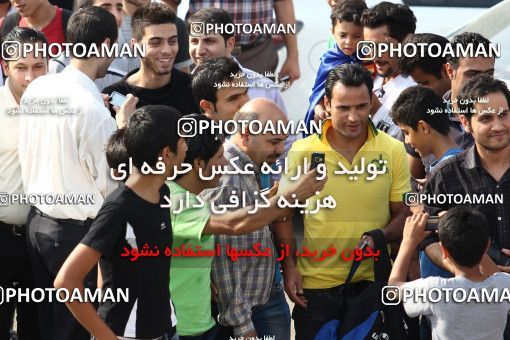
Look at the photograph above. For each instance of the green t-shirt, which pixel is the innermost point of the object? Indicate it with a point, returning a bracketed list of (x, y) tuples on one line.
[(190, 277)]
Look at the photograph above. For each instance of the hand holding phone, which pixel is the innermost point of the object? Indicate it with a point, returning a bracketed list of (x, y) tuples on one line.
[(497, 256), (317, 158), (117, 99)]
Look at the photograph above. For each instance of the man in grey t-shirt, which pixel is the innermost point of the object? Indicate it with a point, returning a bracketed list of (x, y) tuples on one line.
[(475, 303)]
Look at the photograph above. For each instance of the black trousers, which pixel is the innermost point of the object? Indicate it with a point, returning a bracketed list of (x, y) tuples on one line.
[(15, 272), (49, 243)]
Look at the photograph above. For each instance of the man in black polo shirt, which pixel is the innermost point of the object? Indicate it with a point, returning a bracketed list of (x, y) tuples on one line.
[(157, 82), (132, 217), (483, 169)]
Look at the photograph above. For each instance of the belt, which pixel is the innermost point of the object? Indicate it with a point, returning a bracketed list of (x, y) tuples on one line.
[(243, 48), (15, 229), (60, 220)]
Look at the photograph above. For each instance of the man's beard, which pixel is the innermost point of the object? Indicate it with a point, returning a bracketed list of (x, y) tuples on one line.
[(151, 65)]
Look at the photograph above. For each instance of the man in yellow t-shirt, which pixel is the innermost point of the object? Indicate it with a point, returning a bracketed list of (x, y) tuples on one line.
[(372, 175)]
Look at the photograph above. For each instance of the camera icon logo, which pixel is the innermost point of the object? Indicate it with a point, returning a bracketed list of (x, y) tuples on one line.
[(187, 127), (390, 295), (197, 29), (411, 199), (11, 50), (4, 199), (365, 50)]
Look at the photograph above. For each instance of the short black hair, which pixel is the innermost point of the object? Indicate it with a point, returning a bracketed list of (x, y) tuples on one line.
[(464, 232), (149, 15), (149, 130), (465, 39), (22, 35), (84, 3), (350, 75), (204, 145), (399, 19), (116, 152), (477, 87), (412, 105), (426, 63), (211, 15), (212, 71), (348, 11), (91, 26)]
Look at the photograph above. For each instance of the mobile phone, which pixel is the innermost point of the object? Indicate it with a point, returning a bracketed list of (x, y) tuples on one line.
[(284, 79), (317, 158), (497, 256), (432, 223), (117, 99)]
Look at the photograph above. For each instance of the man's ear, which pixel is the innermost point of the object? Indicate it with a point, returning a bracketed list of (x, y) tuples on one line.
[(207, 106), (133, 42), (327, 104), (198, 163), (444, 72), (5, 67), (450, 71), (424, 127), (445, 252), (230, 43), (465, 123), (166, 154), (108, 42), (245, 136)]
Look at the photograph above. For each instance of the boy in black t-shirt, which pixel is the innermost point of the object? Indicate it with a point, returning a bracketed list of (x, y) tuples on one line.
[(157, 82), (131, 217)]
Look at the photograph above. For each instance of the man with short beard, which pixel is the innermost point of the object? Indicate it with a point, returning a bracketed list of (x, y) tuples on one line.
[(388, 23), (157, 82), (182, 60)]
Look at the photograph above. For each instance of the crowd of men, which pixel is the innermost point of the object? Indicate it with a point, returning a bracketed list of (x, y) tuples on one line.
[(61, 135)]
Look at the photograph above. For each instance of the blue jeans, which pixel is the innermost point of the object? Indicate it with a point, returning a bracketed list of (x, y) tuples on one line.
[(273, 318)]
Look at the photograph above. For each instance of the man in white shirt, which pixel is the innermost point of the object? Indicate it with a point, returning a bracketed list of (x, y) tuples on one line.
[(120, 66), (63, 128), (15, 269), (388, 23)]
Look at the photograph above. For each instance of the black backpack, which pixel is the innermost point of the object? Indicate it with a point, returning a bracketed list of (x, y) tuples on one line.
[(12, 20)]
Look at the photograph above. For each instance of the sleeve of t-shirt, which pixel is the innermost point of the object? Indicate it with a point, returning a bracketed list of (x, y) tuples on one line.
[(106, 229), (412, 307), (190, 222), (401, 175)]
